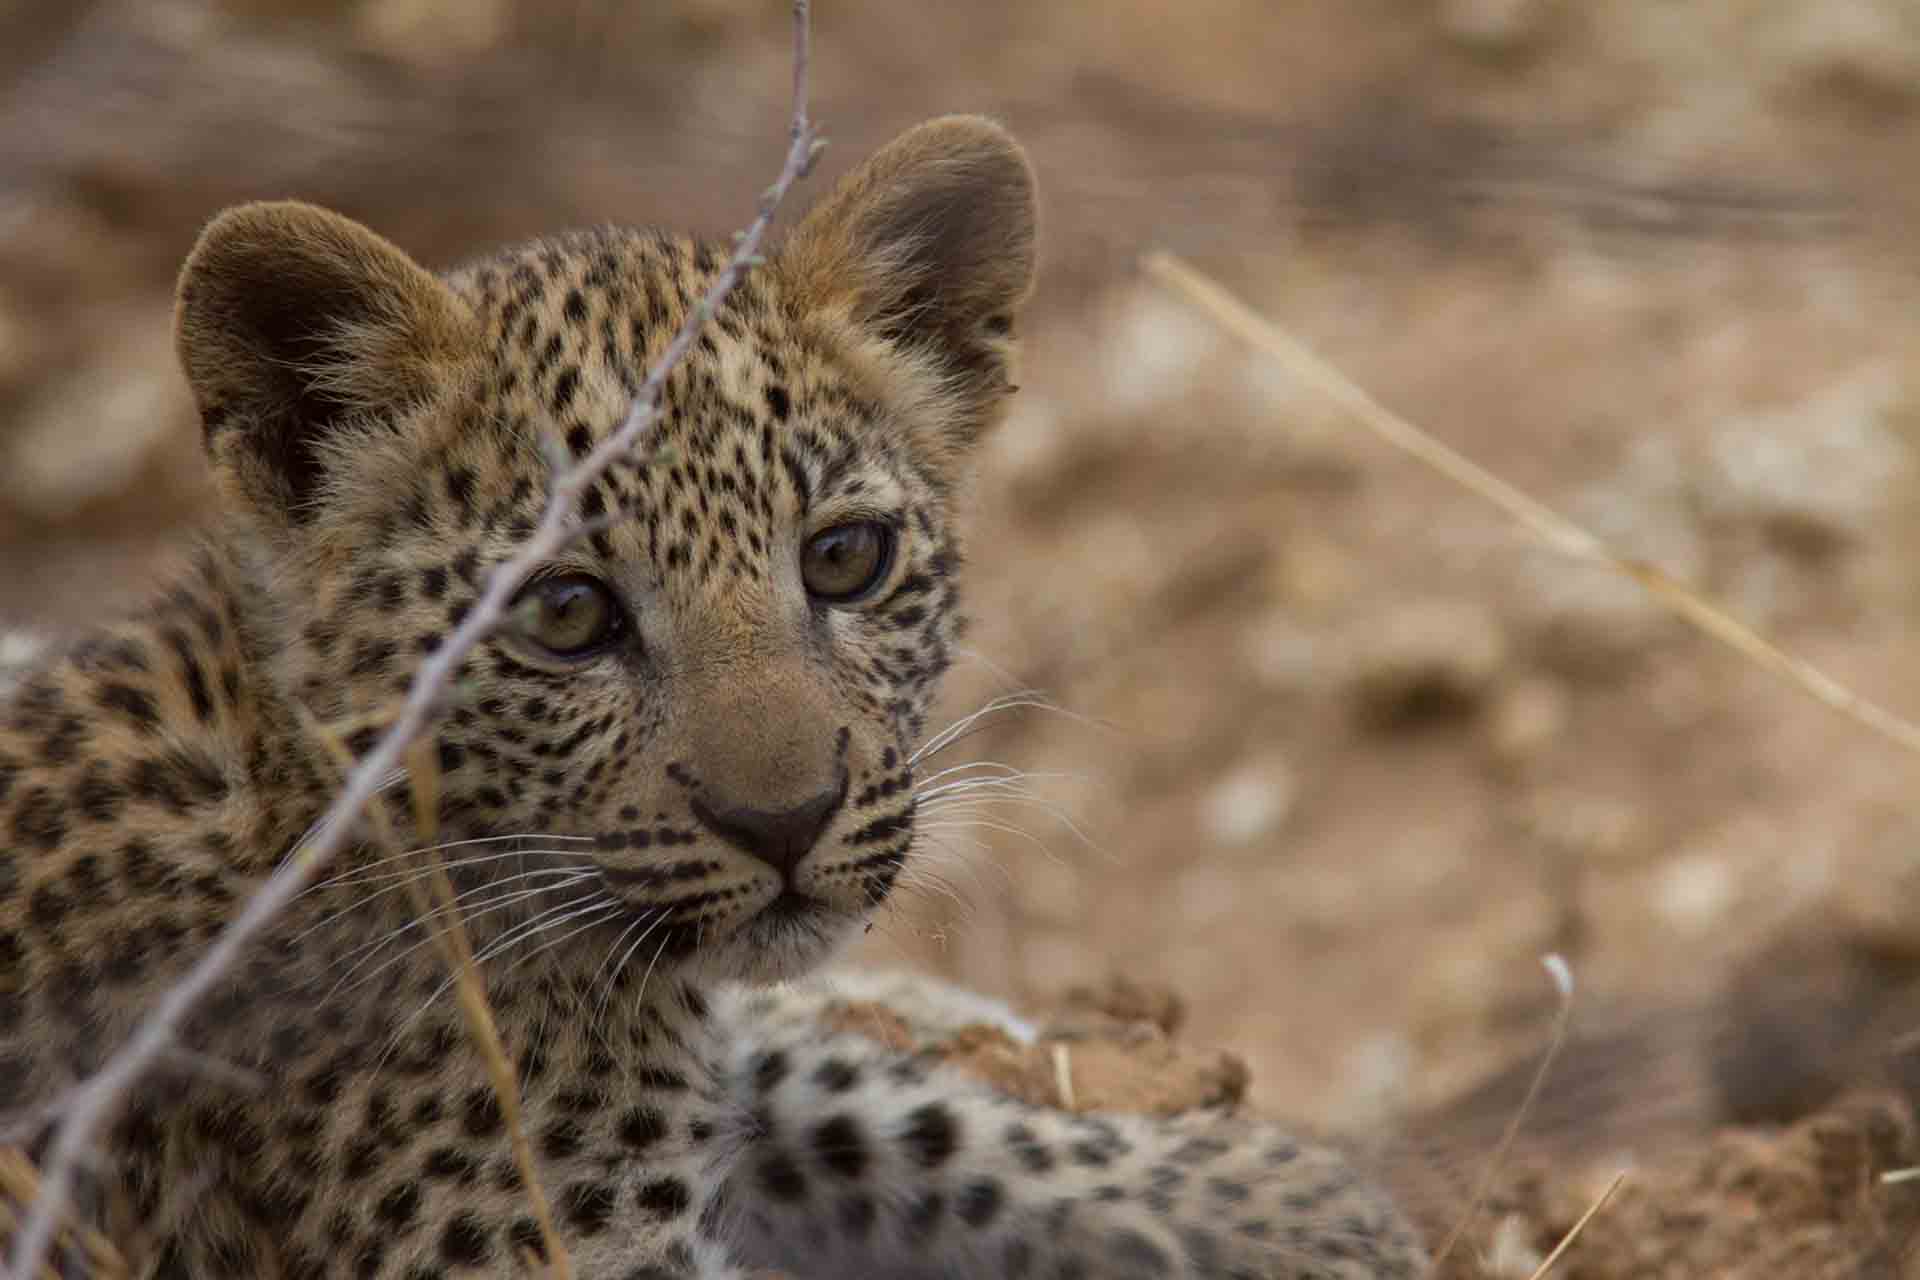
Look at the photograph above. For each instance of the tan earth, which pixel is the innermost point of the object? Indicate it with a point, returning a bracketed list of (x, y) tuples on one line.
[(1330, 749)]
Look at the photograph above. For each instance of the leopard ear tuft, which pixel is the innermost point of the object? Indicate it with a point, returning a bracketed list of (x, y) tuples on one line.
[(930, 245), (292, 323)]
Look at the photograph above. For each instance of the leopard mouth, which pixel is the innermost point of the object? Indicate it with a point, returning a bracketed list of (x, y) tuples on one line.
[(791, 917), (792, 905)]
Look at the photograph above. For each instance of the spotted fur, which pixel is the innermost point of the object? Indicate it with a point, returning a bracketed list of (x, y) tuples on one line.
[(721, 793)]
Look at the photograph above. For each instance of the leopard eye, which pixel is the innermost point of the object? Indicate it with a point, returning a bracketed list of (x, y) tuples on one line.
[(570, 615), (842, 564)]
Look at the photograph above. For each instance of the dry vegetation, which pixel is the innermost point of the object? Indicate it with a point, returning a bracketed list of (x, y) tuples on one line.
[(1349, 749)]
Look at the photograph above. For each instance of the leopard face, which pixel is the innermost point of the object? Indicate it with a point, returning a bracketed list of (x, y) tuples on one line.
[(703, 712)]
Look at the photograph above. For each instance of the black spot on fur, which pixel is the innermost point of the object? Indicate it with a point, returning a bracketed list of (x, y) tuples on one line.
[(588, 1206), (1199, 1150), (1136, 1251), (781, 1178), (841, 1146), (1091, 1154), (398, 1207), (932, 1135), (979, 1202), (480, 1115), (924, 1216), (1028, 1149), (563, 1138), (466, 1242), (564, 388), (664, 1198), (525, 1237), (857, 1214), (641, 1127), (37, 822), (97, 796), (836, 1076), (136, 705), (770, 1070), (449, 1164)]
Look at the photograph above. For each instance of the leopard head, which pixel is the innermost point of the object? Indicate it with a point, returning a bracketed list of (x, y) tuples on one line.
[(700, 720)]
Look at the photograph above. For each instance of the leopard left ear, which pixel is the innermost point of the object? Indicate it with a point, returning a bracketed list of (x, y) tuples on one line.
[(929, 246), (296, 327)]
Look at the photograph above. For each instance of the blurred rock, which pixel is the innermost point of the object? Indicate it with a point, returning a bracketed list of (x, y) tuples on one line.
[(1281, 655), (1694, 893), (1207, 895), (1583, 827), (1811, 479), (1052, 891), (1124, 1000), (1061, 956), (1425, 661), (433, 32), (1250, 804), (1526, 720), (1864, 49), (100, 472), (1588, 620), (1500, 27)]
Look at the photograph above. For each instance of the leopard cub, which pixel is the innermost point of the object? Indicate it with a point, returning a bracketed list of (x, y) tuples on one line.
[(683, 775)]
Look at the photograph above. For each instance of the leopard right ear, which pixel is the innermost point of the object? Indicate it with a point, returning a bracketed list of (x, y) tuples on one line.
[(929, 246), (297, 327)]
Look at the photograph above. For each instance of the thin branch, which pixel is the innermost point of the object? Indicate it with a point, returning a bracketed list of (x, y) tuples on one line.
[(1573, 1233), (1543, 522), (90, 1104)]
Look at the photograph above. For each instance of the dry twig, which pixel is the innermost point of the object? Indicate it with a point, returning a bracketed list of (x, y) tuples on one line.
[(1563, 983), (450, 936), (1543, 522), (457, 949), (88, 1107), (20, 1185), (1573, 1232)]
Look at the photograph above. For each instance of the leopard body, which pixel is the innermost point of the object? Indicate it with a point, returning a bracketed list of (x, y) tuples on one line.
[(648, 836)]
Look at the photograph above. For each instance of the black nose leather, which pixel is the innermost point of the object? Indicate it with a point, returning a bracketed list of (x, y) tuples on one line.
[(778, 837)]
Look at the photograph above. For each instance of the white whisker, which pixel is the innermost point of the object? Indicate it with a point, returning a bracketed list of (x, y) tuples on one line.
[(565, 875), (965, 725), (602, 905), (359, 869), (647, 977), (488, 908), (598, 911), (413, 877)]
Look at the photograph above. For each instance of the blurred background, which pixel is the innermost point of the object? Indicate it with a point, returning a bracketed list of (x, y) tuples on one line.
[(1343, 752)]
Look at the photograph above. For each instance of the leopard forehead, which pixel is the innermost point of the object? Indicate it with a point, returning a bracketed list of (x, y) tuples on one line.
[(774, 419)]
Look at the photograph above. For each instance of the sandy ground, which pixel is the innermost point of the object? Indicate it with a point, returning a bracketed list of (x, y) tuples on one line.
[(1329, 748)]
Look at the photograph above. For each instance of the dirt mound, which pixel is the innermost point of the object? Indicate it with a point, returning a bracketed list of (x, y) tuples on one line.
[(1822, 1198)]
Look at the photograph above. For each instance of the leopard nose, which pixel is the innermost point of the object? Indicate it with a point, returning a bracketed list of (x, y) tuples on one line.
[(777, 837)]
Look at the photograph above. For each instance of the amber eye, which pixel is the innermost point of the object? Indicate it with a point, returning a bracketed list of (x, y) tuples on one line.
[(842, 564), (570, 616)]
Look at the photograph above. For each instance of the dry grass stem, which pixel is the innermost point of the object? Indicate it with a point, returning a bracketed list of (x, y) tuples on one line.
[(1543, 522), (434, 899), (1562, 976), (88, 1107), (1063, 1077), (20, 1185), (434, 890), (1573, 1233)]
